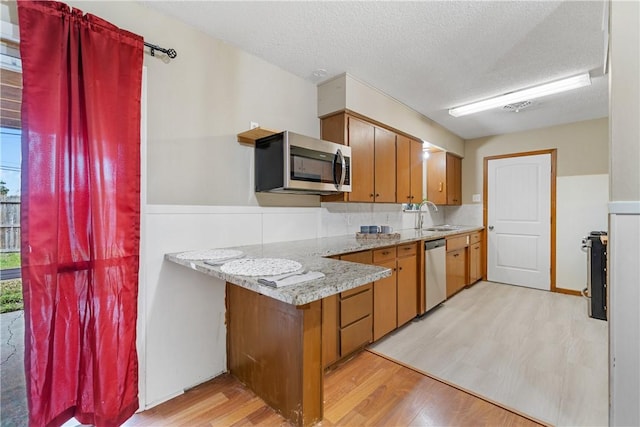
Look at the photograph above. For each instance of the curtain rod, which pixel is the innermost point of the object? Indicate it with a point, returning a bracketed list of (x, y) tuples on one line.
[(171, 53)]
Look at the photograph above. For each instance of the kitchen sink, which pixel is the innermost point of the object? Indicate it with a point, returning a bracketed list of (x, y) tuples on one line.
[(443, 228)]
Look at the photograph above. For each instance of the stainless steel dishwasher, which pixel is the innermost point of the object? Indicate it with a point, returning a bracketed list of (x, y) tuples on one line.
[(435, 271)]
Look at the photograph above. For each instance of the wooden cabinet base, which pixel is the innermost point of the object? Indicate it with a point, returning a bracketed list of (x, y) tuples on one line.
[(274, 348)]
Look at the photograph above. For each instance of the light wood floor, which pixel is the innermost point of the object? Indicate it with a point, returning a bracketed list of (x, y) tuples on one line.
[(535, 351), (366, 390)]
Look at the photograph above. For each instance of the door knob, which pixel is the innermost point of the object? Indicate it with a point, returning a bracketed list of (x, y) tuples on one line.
[(491, 227)]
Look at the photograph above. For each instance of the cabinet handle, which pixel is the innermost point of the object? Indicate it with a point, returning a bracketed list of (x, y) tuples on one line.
[(400, 268), (406, 249), (385, 253), (455, 255), (440, 187), (411, 197), (371, 195), (377, 195)]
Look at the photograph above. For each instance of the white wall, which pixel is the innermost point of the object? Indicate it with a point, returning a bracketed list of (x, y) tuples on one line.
[(581, 208), (198, 103), (185, 336), (624, 215)]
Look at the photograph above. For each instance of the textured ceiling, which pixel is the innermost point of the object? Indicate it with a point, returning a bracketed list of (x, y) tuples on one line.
[(430, 55)]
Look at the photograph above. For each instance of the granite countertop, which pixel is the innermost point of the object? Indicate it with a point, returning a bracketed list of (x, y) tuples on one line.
[(339, 275)]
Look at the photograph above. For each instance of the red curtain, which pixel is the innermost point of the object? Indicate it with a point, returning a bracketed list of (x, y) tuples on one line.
[(80, 214)]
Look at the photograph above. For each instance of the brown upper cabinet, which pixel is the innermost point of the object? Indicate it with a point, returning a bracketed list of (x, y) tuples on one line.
[(409, 170), (444, 179), (373, 150)]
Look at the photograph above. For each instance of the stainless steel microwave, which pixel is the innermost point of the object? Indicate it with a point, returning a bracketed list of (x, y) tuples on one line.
[(288, 162)]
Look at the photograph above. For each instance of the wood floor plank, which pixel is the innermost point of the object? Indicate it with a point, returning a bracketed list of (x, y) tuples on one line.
[(368, 390)]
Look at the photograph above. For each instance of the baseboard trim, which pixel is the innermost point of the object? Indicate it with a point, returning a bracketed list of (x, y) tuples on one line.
[(567, 291)]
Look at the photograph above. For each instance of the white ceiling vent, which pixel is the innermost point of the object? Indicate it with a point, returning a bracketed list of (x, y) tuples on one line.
[(516, 107)]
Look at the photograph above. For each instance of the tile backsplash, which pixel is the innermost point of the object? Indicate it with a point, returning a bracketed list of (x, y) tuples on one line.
[(345, 218), (470, 214)]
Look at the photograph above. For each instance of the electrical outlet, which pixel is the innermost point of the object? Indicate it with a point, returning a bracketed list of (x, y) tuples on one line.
[(476, 198), (255, 125)]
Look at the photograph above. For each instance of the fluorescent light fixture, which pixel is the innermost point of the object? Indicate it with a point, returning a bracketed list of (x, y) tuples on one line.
[(523, 95)]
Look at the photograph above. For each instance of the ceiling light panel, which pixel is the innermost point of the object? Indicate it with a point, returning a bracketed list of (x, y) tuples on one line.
[(523, 95)]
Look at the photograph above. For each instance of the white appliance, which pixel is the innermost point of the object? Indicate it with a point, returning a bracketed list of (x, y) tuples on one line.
[(435, 270)]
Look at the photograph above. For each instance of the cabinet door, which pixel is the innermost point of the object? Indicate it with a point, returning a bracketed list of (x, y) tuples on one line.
[(475, 263), (334, 128), (456, 270), (403, 170), (384, 302), (407, 289), (329, 330), (436, 178), (417, 161), (361, 141), (385, 166), (454, 180)]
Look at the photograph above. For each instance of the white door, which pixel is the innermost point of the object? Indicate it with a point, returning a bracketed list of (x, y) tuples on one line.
[(519, 221)]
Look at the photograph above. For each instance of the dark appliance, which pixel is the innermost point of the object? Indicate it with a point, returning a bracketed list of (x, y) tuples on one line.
[(596, 291)]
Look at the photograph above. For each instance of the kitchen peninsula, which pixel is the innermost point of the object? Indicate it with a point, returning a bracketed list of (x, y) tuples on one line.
[(274, 335)]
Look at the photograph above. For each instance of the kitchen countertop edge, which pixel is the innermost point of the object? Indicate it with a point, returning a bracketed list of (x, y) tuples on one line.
[(340, 276)]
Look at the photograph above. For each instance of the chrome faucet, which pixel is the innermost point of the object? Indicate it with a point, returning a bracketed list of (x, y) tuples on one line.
[(420, 219)]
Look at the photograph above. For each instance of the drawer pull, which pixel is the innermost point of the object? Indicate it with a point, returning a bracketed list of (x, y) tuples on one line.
[(407, 248), (385, 253)]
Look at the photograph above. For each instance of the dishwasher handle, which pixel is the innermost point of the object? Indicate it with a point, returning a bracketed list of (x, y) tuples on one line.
[(433, 244)]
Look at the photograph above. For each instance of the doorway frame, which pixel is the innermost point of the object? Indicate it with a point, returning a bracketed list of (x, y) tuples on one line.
[(485, 211)]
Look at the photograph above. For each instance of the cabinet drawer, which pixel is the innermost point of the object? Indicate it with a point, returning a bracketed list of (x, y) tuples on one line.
[(350, 292), (355, 335), (355, 307), (384, 254), (475, 237), (363, 257), (406, 250), (458, 242)]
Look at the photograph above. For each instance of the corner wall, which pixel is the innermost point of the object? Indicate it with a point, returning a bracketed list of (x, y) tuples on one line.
[(624, 215)]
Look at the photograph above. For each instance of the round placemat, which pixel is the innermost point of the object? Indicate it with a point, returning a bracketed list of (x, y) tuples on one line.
[(210, 254), (260, 266)]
